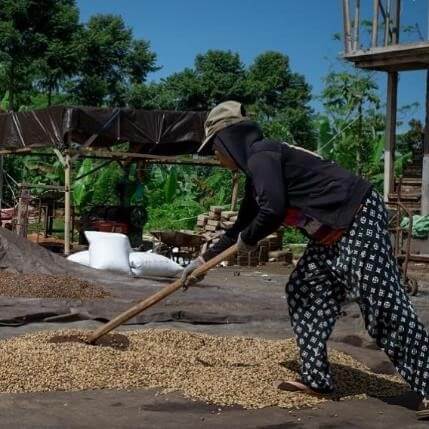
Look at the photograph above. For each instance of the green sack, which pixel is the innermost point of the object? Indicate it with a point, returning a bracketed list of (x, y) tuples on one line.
[(420, 226)]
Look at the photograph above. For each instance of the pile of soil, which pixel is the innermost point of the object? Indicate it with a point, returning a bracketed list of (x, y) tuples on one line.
[(48, 286)]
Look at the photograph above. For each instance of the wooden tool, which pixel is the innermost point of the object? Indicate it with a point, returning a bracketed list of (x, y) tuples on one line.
[(156, 297)]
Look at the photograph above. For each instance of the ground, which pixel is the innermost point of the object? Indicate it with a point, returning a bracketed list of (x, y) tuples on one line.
[(230, 301)]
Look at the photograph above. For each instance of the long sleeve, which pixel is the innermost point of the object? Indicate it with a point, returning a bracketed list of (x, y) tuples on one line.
[(267, 176)]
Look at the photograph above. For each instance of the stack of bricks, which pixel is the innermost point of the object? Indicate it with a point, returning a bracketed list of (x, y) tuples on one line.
[(216, 221)]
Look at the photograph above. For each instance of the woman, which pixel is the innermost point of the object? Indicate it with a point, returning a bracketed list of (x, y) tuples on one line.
[(349, 248)]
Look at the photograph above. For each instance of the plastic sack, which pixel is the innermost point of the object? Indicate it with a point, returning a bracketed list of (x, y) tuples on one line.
[(153, 265), (80, 258), (420, 226), (109, 251)]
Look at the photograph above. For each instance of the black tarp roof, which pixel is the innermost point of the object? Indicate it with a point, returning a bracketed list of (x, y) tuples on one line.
[(148, 131)]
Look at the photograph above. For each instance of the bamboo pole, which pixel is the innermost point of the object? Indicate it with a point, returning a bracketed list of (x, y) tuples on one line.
[(67, 203), (42, 186), (374, 38), (158, 296), (356, 26), (347, 31), (155, 159)]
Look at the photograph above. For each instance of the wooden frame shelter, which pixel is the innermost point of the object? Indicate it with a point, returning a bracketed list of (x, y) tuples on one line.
[(387, 54), (160, 137)]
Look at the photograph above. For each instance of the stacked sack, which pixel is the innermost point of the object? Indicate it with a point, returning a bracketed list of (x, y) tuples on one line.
[(112, 251)]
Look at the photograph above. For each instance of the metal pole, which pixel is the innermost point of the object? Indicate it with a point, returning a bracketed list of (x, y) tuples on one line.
[(357, 25), (425, 167), (347, 32), (375, 12), (390, 143)]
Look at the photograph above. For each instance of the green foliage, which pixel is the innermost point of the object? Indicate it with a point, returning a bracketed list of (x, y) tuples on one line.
[(63, 52), (29, 40), (111, 61), (280, 100), (82, 189), (274, 95), (180, 214), (353, 126), (109, 185), (293, 236), (48, 57), (177, 195), (105, 186)]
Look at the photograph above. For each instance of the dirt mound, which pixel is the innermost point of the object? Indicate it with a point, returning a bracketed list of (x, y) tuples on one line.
[(19, 255), (48, 286)]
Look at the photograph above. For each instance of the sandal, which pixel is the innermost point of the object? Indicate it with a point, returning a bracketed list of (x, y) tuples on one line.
[(296, 386)]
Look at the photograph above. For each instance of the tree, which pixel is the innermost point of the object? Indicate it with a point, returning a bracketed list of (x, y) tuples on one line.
[(61, 58), (281, 99), (183, 91), (222, 77), (111, 61), (29, 30), (352, 107), (217, 76)]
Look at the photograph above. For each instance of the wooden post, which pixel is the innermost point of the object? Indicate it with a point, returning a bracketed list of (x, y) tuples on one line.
[(67, 203), (22, 215), (356, 26), (390, 143), (387, 23), (347, 30), (234, 198), (397, 21), (374, 38), (425, 168)]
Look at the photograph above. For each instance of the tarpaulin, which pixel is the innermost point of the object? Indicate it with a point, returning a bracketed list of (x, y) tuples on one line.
[(148, 131)]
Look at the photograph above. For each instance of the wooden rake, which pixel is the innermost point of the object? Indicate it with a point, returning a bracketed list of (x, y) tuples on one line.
[(158, 296)]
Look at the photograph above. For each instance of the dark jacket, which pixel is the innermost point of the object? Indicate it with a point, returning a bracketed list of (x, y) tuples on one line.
[(278, 176)]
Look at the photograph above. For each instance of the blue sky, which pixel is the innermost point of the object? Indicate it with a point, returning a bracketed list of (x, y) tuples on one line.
[(302, 29)]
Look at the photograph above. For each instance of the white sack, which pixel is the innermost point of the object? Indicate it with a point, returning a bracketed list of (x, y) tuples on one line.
[(153, 265), (80, 258), (109, 251)]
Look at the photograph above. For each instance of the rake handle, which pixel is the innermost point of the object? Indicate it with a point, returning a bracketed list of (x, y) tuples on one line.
[(158, 296)]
